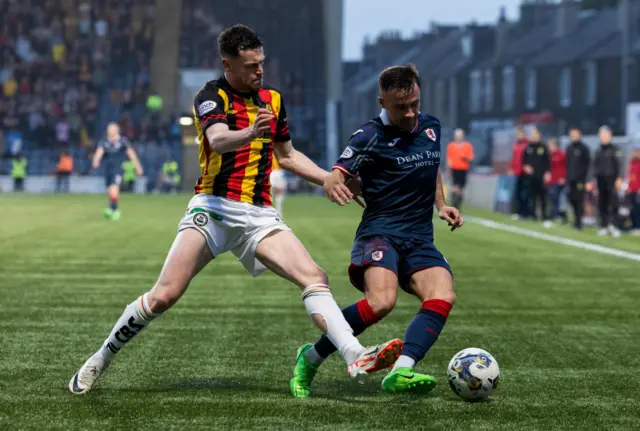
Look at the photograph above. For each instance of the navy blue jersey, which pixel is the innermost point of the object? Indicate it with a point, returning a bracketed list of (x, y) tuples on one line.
[(398, 170), (114, 153)]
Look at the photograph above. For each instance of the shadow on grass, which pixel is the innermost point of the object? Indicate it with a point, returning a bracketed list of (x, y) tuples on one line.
[(344, 390)]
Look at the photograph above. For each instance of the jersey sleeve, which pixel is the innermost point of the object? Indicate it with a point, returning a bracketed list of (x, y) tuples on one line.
[(282, 126), (356, 155), (209, 108)]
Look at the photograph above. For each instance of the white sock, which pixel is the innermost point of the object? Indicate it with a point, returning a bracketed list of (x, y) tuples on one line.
[(313, 355), (318, 300), (404, 362), (135, 318), (279, 200)]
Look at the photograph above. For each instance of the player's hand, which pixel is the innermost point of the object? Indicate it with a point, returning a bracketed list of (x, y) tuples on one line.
[(262, 123), (547, 177), (452, 216), (139, 172), (528, 169), (336, 190), (354, 185)]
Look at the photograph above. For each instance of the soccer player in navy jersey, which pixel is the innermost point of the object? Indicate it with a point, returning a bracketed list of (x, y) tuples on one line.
[(112, 151), (397, 159)]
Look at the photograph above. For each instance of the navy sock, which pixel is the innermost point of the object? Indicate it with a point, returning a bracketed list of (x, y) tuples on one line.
[(425, 328), (359, 316), (113, 204)]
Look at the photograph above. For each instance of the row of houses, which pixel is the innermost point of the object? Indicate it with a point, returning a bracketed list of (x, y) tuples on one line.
[(558, 64)]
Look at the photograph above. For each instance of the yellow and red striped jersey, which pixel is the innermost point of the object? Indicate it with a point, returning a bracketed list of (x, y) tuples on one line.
[(241, 175)]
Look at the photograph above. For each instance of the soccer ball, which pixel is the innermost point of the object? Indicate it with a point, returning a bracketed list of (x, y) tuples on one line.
[(473, 374)]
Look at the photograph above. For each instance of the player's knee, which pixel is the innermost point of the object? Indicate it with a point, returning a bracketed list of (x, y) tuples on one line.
[(449, 296), (163, 296), (314, 275), (382, 304), (319, 274)]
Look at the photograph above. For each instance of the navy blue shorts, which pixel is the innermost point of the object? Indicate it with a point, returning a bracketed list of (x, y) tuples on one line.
[(113, 178), (404, 258)]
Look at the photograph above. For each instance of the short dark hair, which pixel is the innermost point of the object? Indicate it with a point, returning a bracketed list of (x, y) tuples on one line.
[(401, 78), (237, 38)]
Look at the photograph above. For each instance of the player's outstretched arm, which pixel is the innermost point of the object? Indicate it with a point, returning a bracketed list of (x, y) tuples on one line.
[(136, 162), (222, 140), (297, 163), (449, 214), (97, 157)]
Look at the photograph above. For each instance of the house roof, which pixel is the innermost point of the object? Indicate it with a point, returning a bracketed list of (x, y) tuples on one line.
[(367, 83), (444, 55), (612, 47), (522, 45), (428, 57), (591, 33)]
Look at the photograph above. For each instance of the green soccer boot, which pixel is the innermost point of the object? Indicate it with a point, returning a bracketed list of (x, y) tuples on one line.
[(303, 373), (407, 380)]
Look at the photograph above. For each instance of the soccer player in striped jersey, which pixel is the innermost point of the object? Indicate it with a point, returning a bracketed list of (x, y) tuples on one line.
[(112, 151), (241, 124)]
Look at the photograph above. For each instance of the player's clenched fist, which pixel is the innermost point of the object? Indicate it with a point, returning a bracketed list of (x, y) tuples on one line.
[(262, 123)]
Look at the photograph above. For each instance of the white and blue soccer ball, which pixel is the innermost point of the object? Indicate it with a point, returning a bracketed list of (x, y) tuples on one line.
[(473, 374)]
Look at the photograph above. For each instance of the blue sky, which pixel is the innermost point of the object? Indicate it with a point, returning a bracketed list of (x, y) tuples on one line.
[(370, 17)]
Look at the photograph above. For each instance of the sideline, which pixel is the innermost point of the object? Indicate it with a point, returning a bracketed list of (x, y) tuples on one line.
[(553, 238)]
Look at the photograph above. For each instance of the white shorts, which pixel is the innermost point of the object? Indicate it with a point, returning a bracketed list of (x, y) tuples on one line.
[(278, 180), (232, 226)]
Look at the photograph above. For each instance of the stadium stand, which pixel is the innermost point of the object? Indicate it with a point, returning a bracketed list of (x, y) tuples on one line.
[(68, 67), (289, 67)]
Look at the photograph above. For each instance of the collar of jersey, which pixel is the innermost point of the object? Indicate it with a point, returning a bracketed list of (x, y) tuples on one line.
[(246, 95), (384, 117)]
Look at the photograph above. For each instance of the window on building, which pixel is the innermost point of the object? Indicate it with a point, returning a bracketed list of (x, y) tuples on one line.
[(590, 83), (488, 90), (565, 87), (508, 88), (475, 91), (531, 88)]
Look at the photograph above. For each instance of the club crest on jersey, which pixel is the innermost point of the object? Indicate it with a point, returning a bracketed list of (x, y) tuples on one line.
[(347, 153), (200, 219), (206, 106), (377, 255), (430, 134)]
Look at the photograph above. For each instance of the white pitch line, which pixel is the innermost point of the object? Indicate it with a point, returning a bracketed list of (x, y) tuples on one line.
[(553, 238)]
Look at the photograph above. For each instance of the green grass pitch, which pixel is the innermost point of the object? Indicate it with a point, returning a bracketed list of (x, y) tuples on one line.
[(562, 323)]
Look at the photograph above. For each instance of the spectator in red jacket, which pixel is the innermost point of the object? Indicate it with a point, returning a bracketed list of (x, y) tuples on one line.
[(521, 192), (557, 181), (633, 191)]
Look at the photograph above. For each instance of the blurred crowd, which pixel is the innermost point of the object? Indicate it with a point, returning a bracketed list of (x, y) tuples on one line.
[(596, 185), (56, 68)]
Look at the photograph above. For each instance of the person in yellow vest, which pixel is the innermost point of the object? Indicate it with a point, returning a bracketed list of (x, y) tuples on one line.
[(170, 176), (128, 176), (19, 172), (278, 185), (63, 172)]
